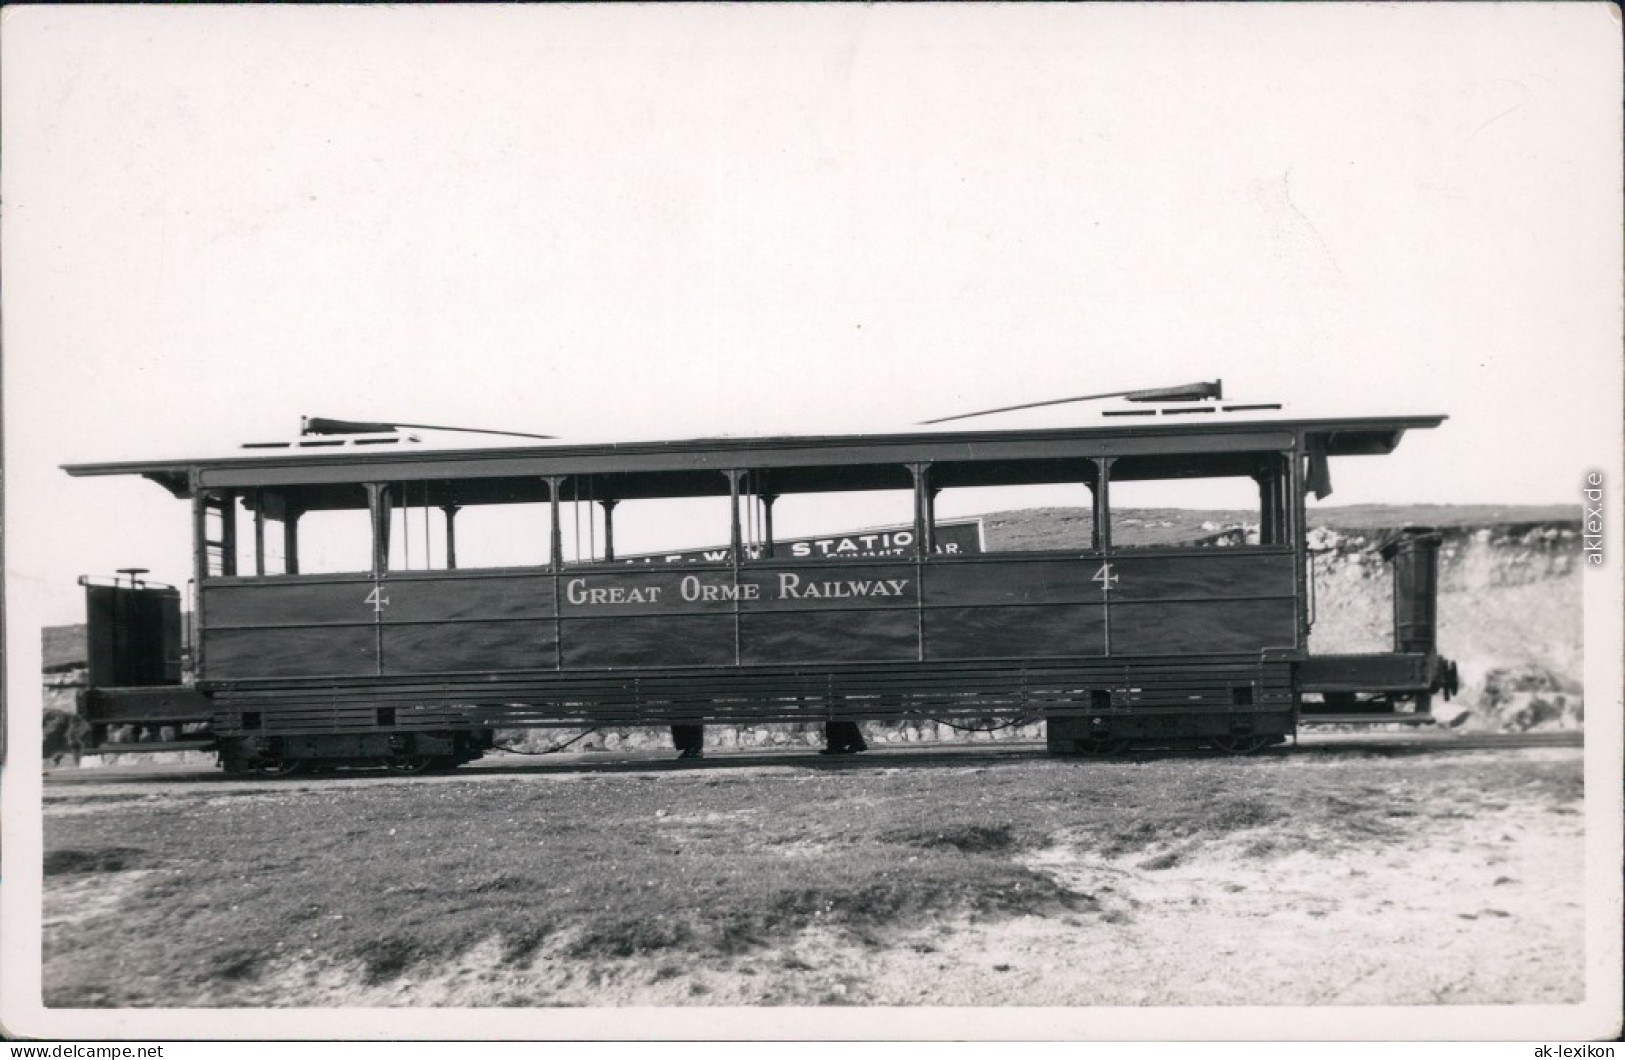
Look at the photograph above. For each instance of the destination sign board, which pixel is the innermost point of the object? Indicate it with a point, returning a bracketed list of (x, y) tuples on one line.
[(953, 538)]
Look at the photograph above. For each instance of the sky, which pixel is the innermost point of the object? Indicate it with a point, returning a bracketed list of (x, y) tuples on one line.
[(645, 222)]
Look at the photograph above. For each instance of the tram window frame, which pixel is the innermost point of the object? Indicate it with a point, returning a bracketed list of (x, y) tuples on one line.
[(242, 533), (1080, 473), (1272, 511), (373, 539), (592, 510), (535, 521), (764, 538), (526, 504), (352, 523)]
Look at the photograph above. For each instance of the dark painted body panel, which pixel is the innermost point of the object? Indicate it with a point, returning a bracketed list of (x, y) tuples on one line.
[(315, 651), (1015, 632), (468, 647), (455, 596), (649, 641), (314, 600), (1201, 626), (1208, 572), (1037, 606), (1014, 580), (830, 637)]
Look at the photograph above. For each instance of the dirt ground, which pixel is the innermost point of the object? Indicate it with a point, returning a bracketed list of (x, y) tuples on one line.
[(1332, 876)]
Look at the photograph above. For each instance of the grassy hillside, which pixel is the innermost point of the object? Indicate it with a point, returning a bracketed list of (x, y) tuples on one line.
[(63, 648), (1061, 528)]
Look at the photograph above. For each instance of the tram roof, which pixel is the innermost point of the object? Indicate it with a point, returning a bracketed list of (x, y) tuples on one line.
[(1200, 433)]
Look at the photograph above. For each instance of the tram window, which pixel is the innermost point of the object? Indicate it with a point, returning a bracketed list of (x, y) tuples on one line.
[(242, 538), (260, 540), (239, 542), (335, 541), (219, 534), (498, 535), (646, 530), (1049, 517), (1209, 512), (417, 532), (831, 525), (469, 525)]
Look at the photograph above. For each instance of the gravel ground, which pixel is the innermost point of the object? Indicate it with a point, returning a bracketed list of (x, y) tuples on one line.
[(1396, 873)]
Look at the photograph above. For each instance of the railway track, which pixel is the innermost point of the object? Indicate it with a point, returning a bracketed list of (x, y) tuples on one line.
[(65, 782)]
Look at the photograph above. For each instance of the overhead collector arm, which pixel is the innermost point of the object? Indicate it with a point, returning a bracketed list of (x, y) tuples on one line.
[(319, 425), (1188, 392)]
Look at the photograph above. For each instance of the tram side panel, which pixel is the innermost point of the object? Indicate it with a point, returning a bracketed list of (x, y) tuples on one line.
[(1157, 645), (1193, 644)]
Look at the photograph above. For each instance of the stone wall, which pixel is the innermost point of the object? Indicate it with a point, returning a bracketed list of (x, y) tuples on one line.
[(1510, 616)]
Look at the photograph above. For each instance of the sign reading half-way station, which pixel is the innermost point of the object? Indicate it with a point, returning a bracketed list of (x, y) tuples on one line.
[(888, 542)]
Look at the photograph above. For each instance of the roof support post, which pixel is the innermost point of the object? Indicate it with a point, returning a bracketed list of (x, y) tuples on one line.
[(451, 511), (290, 539), (228, 533), (1269, 501), (609, 528), (735, 534), (200, 568), (1283, 498), (735, 553), (378, 503), (557, 546), (923, 531), (259, 533), (1296, 487), (767, 500), (1103, 503), (1318, 479), (924, 509)]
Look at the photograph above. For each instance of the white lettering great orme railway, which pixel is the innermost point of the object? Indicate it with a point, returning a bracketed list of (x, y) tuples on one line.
[(1591, 525), (577, 592), (695, 589), (790, 588)]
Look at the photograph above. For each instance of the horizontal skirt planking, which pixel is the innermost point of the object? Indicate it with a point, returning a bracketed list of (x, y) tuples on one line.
[(1169, 688)]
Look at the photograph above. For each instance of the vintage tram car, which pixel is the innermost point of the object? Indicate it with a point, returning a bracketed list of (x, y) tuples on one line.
[(405, 653)]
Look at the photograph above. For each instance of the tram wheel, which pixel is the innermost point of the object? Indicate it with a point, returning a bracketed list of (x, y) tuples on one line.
[(281, 767), (410, 765), (1239, 745)]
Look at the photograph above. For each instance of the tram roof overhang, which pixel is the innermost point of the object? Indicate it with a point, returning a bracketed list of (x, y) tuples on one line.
[(798, 463)]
